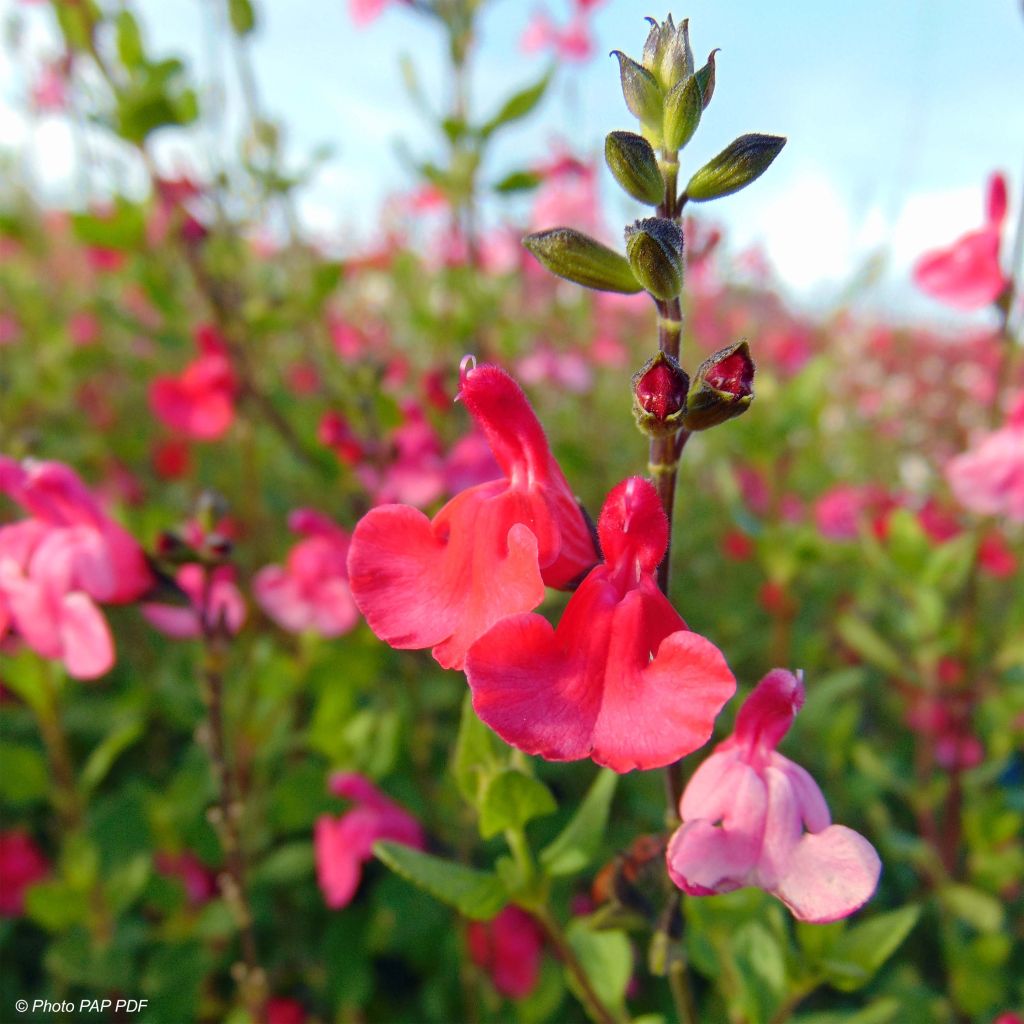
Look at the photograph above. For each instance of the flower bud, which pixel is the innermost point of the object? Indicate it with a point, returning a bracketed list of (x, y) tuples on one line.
[(723, 387), (740, 163), (654, 247), (667, 53), (641, 91), (634, 166), (580, 258), (659, 396), (706, 79), (683, 106)]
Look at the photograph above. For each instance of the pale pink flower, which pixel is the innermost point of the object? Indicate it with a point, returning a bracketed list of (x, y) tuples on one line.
[(573, 42), (752, 817), (310, 591), (215, 603), (342, 845), (841, 510), (989, 477), (362, 12)]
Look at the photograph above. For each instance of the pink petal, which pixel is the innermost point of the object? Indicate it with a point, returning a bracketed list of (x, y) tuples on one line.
[(830, 875), (85, 638)]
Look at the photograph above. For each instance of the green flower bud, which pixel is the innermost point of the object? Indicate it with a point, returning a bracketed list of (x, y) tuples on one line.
[(706, 79), (723, 387), (667, 53), (634, 166), (655, 250), (579, 258), (641, 91), (740, 163), (683, 106)]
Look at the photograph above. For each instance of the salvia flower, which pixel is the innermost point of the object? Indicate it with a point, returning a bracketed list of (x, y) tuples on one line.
[(214, 603), (488, 553), (310, 591), (752, 817), (22, 864), (967, 274), (59, 562), (621, 680), (342, 845), (509, 948)]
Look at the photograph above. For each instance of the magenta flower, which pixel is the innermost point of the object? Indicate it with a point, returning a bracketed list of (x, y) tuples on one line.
[(488, 553), (745, 812), (57, 564), (967, 275), (621, 680), (342, 845), (22, 864), (215, 603), (310, 591), (989, 477), (509, 949), (199, 403), (200, 881)]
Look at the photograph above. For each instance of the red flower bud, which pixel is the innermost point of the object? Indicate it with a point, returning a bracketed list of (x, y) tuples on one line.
[(722, 388), (659, 395)]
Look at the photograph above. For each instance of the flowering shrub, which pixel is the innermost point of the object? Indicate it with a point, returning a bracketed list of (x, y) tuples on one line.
[(370, 627)]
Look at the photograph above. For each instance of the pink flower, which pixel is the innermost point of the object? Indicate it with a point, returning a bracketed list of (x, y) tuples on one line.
[(215, 603), (55, 566), (285, 1011), (744, 813), (49, 91), (22, 864), (415, 476), (342, 845), (840, 511), (199, 403), (967, 275), (200, 882), (989, 477), (84, 329), (573, 42), (621, 680), (488, 553), (995, 556), (568, 195), (509, 948), (310, 592)]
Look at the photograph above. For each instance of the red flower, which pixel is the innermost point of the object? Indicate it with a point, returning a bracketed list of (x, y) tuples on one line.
[(21, 864), (622, 680), (509, 948), (967, 275), (488, 553)]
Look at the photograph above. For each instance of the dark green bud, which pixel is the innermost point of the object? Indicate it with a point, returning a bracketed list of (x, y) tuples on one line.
[(579, 258), (706, 79), (655, 250), (633, 164), (683, 106), (740, 163), (723, 387), (641, 91)]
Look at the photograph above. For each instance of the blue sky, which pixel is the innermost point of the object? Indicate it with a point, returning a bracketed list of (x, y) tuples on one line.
[(896, 111)]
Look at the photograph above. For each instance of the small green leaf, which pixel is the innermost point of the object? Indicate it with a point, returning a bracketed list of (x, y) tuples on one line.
[(129, 40), (607, 958), (517, 181), (477, 753), (855, 958), (25, 777), (518, 105), (863, 640), (103, 757), (510, 800), (978, 908), (56, 906), (476, 894), (578, 843)]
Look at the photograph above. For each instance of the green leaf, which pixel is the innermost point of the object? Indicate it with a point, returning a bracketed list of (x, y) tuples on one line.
[(578, 843), (129, 40), (103, 757), (56, 906), (290, 864), (476, 894), (861, 951), (607, 958), (761, 969), (477, 753), (242, 15), (25, 777), (517, 106), (517, 181), (881, 1011), (974, 906), (124, 228), (865, 641), (510, 800)]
